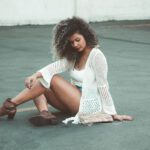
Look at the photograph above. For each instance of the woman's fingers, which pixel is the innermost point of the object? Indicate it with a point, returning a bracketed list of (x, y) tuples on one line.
[(29, 82), (117, 117), (122, 117), (26, 82), (128, 118)]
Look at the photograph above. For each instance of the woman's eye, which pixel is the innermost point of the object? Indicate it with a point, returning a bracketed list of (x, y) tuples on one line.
[(77, 40)]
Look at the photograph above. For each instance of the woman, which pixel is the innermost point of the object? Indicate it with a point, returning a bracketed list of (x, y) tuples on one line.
[(87, 95)]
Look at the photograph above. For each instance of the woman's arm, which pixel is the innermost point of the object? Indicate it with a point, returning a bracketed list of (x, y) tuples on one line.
[(101, 68), (30, 81), (50, 70), (45, 74)]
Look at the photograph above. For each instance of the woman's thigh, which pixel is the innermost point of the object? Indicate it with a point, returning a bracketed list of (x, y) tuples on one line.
[(54, 101), (66, 93)]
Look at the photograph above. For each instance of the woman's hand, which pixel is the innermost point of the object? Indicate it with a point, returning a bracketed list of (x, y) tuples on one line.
[(122, 117), (29, 81)]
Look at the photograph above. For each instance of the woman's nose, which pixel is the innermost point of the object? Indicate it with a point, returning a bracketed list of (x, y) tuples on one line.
[(75, 44)]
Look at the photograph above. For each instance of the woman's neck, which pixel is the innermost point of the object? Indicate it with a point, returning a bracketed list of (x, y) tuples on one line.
[(85, 53), (82, 58)]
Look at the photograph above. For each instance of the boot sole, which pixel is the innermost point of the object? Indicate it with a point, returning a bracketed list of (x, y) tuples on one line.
[(40, 121)]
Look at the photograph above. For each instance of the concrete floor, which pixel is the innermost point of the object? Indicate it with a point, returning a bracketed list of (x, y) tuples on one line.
[(126, 44)]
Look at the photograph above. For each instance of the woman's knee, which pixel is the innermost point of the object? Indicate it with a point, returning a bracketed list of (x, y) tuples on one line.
[(55, 80)]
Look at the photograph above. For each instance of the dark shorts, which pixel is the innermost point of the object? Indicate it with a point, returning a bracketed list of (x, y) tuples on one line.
[(80, 88)]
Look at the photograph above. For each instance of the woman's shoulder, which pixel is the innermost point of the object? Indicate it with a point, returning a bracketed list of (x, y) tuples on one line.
[(97, 51), (98, 56)]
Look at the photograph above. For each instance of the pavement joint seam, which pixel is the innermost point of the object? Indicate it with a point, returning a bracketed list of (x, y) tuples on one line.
[(27, 109)]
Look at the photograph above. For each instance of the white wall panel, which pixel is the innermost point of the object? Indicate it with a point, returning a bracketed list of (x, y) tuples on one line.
[(19, 12), (14, 12)]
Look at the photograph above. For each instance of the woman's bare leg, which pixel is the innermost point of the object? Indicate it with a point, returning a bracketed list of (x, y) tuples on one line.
[(28, 94), (9, 106), (61, 104), (55, 102), (41, 103), (45, 117), (67, 94), (40, 95), (69, 104)]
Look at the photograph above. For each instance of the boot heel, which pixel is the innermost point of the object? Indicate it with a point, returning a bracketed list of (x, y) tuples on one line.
[(8, 108), (11, 115)]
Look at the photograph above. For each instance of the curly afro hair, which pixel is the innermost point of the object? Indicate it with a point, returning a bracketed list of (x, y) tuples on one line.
[(64, 29)]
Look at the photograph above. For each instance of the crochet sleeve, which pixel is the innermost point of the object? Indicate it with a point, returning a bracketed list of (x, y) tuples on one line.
[(50, 70), (101, 68)]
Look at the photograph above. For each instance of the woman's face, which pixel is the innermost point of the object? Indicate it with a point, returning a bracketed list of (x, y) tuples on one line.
[(78, 42)]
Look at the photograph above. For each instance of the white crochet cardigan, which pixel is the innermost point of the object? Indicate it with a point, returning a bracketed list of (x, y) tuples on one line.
[(95, 97)]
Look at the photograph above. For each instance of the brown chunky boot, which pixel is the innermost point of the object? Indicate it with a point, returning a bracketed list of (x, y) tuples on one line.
[(45, 118), (8, 108)]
